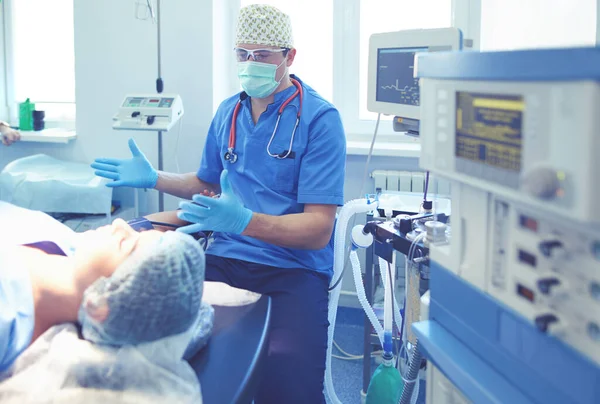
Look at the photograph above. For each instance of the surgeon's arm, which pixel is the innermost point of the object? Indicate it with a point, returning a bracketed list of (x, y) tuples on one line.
[(184, 185), (310, 229)]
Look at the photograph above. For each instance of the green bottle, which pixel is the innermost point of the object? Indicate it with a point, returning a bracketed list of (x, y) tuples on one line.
[(386, 384), (26, 115)]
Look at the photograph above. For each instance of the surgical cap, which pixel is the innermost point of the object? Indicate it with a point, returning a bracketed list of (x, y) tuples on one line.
[(260, 24), (154, 294)]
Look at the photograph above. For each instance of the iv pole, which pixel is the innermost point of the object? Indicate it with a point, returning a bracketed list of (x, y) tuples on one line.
[(159, 89)]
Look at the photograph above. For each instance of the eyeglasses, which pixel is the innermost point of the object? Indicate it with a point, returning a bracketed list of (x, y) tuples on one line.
[(258, 55)]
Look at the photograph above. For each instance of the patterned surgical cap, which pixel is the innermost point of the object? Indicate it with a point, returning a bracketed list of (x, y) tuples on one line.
[(259, 24)]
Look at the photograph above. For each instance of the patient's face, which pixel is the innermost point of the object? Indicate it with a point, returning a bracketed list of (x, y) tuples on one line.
[(102, 250)]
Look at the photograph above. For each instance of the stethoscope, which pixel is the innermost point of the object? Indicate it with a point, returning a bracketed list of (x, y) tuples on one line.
[(231, 155)]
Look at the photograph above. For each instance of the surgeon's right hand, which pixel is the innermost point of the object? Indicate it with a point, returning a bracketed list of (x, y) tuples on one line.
[(136, 172)]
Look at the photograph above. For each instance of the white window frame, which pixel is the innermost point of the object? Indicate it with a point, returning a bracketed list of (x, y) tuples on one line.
[(4, 114), (10, 109), (598, 23)]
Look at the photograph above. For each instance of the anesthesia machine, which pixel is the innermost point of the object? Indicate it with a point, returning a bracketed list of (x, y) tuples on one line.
[(514, 312)]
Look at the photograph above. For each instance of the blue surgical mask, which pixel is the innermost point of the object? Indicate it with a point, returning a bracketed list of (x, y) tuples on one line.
[(258, 79)]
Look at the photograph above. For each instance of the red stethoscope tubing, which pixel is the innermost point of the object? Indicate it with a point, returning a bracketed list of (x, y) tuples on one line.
[(230, 155)]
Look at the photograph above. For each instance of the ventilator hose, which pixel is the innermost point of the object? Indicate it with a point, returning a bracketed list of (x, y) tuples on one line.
[(412, 376)]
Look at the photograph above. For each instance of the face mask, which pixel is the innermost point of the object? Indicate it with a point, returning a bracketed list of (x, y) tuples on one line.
[(258, 79)]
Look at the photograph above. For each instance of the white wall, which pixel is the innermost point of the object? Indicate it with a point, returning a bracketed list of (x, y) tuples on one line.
[(115, 54)]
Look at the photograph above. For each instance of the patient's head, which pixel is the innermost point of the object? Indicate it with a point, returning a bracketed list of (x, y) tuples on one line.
[(102, 250), (154, 292)]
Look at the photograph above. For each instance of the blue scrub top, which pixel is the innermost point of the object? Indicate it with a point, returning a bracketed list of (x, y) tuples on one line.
[(16, 309), (315, 175)]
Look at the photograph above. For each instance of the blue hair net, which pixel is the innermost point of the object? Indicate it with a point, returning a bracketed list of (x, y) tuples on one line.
[(154, 294)]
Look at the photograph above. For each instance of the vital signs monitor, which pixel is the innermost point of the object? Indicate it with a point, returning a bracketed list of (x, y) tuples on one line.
[(392, 87)]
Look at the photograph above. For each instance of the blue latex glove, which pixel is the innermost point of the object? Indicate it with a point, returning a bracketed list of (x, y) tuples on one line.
[(223, 214), (136, 172)]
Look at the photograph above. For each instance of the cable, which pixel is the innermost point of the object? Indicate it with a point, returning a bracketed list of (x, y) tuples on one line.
[(389, 265), (344, 352), (177, 145), (159, 87), (426, 186), (366, 172), (402, 327), (352, 357), (373, 355), (164, 224), (409, 263)]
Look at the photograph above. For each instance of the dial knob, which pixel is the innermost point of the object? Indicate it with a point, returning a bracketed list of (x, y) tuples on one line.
[(545, 321), (551, 248), (545, 285), (541, 182)]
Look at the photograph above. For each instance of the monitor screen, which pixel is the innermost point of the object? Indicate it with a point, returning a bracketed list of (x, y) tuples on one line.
[(395, 80)]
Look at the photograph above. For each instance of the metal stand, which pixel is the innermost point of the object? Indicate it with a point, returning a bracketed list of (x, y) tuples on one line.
[(159, 89), (161, 195), (367, 347)]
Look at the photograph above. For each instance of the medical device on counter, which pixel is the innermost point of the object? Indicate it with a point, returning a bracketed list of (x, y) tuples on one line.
[(154, 112), (514, 313), (392, 87)]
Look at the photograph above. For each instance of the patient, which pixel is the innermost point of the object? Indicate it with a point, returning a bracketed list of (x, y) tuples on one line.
[(162, 273), (137, 297)]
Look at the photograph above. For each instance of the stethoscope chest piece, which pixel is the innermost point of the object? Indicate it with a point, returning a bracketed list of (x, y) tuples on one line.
[(230, 155)]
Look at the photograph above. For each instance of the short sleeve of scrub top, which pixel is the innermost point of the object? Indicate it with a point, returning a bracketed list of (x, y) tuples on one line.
[(321, 178), (16, 309)]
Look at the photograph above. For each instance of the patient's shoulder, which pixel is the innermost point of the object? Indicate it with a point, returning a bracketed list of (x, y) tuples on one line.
[(24, 226)]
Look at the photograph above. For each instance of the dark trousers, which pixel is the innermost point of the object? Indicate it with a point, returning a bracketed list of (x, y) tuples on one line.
[(295, 366)]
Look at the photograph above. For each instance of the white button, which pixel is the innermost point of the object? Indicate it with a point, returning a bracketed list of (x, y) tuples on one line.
[(442, 122), (442, 136), (442, 109), (442, 95)]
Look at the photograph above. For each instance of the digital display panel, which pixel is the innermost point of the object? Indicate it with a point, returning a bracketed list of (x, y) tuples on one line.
[(133, 102), (166, 103), (395, 76), (489, 129)]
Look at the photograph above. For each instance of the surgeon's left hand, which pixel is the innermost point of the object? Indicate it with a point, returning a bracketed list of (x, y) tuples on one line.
[(223, 214)]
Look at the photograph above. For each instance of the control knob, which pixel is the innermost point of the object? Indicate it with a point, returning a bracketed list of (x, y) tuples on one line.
[(545, 321), (552, 248), (546, 285), (541, 182)]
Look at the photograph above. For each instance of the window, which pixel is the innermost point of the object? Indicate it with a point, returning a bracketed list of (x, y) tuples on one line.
[(518, 24), (313, 38), (40, 56)]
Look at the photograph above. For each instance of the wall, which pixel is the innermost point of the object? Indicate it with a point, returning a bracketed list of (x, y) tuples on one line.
[(116, 54)]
